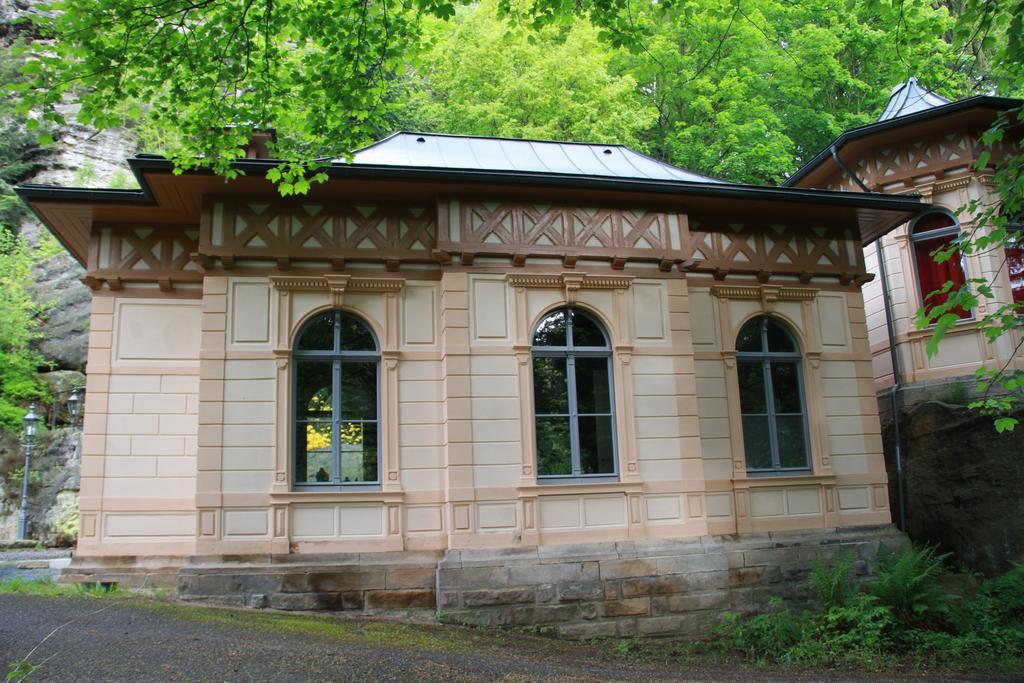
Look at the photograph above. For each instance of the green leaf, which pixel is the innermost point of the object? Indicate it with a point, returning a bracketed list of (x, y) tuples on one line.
[(1005, 424)]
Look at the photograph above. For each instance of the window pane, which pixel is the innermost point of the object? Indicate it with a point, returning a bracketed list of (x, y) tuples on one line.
[(585, 331), (597, 451), (355, 335), (592, 385), (359, 391), (554, 450), (318, 334), (314, 461), (358, 451), (779, 340), (786, 385), (752, 393), (749, 338), (551, 330), (1015, 267), (313, 389), (757, 442), (550, 387), (792, 449), (932, 276)]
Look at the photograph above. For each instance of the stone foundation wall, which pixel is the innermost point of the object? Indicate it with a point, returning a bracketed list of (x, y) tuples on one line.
[(644, 588), (364, 582), (680, 588)]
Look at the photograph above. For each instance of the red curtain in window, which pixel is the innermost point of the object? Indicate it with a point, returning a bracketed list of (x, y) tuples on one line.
[(1015, 267), (931, 275)]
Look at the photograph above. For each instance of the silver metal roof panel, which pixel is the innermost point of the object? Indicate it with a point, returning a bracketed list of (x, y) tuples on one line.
[(910, 98), (430, 150)]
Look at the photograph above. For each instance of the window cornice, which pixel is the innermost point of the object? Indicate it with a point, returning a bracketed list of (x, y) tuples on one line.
[(337, 285)]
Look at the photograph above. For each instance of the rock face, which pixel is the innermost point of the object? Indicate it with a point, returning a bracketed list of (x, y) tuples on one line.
[(66, 328), (963, 484), (81, 157)]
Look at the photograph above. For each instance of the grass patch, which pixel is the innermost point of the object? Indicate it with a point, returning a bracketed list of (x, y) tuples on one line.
[(20, 586), (358, 631)]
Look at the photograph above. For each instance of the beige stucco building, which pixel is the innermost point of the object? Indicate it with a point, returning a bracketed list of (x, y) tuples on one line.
[(461, 356)]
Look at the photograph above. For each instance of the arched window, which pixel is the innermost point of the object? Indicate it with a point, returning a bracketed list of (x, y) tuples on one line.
[(336, 376), (775, 435), (930, 232), (572, 397)]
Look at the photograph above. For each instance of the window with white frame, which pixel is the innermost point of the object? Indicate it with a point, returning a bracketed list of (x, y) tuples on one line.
[(774, 415), (933, 231), (574, 404), (336, 384)]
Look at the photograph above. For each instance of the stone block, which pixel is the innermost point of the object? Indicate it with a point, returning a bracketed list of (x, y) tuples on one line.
[(708, 581), (574, 592), (771, 556), (448, 599), (688, 564), (415, 577), (401, 599), (546, 593), (338, 581), (509, 596), (654, 585), (499, 557), (630, 607), (542, 614), (743, 577), (474, 577), (619, 569), (691, 602), (548, 573), (654, 548), (600, 629), (576, 552), (480, 617), (590, 610), (228, 584), (297, 601)]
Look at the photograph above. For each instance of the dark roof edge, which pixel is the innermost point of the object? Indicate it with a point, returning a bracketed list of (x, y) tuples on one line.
[(987, 101), (140, 165)]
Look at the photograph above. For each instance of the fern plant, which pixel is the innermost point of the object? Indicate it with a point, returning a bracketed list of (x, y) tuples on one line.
[(906, 583), (831, 580)]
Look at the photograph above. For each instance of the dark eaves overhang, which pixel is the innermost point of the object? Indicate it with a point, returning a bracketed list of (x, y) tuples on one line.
[(978, 102), (877, 214)]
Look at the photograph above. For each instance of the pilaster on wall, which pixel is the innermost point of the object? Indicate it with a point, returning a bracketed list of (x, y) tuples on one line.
[(458, 428), (94, 428), (211, 414)]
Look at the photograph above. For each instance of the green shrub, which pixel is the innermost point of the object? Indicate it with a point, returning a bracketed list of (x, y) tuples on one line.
[(831, 580), (906, 584), (1007, 593), (764, 636)]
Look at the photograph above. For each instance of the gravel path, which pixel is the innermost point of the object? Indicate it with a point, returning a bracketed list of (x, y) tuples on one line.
[(113, 639), (118, 640)]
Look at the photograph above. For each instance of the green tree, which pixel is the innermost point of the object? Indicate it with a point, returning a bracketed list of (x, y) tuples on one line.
[(481, 77), (751, 89), (19, 325)]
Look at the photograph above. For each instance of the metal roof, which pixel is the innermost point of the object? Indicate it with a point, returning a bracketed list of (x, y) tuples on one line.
[(464, 152), (910, 98)]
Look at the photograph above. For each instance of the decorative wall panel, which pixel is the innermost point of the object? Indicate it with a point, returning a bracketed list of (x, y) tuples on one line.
[(257, 230)]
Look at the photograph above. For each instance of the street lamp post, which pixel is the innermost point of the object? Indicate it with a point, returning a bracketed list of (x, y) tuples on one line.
[(28, 436)]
